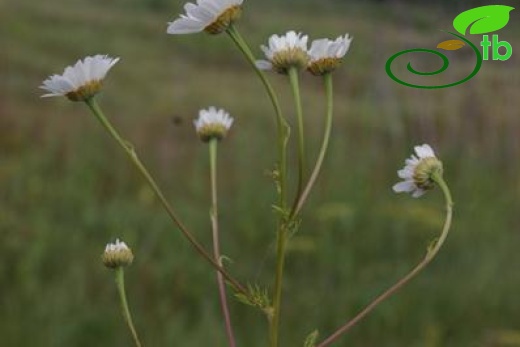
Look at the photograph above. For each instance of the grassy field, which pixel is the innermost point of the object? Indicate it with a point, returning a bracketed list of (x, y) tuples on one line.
[(66, 190)]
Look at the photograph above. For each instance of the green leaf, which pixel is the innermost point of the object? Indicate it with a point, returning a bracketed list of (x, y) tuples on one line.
[(482, 20), (311, 339), (258, 297)]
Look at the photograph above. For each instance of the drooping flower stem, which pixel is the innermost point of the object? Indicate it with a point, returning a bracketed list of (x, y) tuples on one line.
[(324, 145), (216, 241), (432, 252), (283, 128), (120, 283), (96, 110), (295, 86)]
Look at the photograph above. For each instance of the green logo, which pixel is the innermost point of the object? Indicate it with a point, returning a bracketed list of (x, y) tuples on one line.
[(479, 20)]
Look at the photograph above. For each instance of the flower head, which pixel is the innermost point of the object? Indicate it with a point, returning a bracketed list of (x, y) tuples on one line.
[(212, 123), (211, 16), (117, 255), (419, 172), (284, 52), (325, 55), (81, 81)]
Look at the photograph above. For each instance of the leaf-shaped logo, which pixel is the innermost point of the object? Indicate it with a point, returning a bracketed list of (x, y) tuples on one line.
[(451, 45), (482, 20)]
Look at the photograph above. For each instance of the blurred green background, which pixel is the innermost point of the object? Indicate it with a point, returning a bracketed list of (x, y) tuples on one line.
[(66, 189)]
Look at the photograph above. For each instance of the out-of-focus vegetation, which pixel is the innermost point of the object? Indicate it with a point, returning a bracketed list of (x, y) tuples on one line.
[(66, 189)]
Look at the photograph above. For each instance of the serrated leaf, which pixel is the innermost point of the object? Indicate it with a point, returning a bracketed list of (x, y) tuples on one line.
[(483, 19), (451, 45)]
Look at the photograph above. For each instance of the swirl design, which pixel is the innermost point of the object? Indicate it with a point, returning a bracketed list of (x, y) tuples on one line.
[(445, 64)]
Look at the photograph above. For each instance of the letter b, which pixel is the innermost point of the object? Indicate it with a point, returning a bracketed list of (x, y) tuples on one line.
[(496, 46)]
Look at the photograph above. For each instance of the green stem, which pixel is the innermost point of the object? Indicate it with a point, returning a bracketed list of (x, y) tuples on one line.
[(295, 86), (430, 255), (216, 241), (94, 107), (120, 282), (281, 237), (324, 145), (281, 241), (283, 128)]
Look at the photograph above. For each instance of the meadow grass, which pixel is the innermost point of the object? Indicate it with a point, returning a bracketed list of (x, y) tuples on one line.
[(66, 189)]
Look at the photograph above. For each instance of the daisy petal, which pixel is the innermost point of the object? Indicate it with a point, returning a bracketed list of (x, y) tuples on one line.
[(213, 16)]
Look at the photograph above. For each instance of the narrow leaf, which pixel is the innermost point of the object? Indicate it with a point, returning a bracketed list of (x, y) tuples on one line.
[(482, 20), (311, 339)]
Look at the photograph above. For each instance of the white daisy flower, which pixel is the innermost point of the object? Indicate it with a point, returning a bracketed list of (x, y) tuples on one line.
[(211, 16), (212, 123), (81, 81), (117, 254), (418, 172), (284, 52), (325, 55)]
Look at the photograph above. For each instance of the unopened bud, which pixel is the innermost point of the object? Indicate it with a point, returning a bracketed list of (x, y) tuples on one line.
[(117, 255)]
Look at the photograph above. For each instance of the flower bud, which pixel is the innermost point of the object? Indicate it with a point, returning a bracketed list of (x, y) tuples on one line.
[(117, 255)]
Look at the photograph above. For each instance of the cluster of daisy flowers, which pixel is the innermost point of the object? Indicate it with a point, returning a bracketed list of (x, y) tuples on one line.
[(284, 54), (83, 80), (291, 51)]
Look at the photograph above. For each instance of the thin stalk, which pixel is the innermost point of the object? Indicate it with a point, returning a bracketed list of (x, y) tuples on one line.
[(324, 145), (282, 126), (120, 283), (281, 237), (283, 131), (216, 241), (430, 255), (295, 86), (94, 107), (281, 241)]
